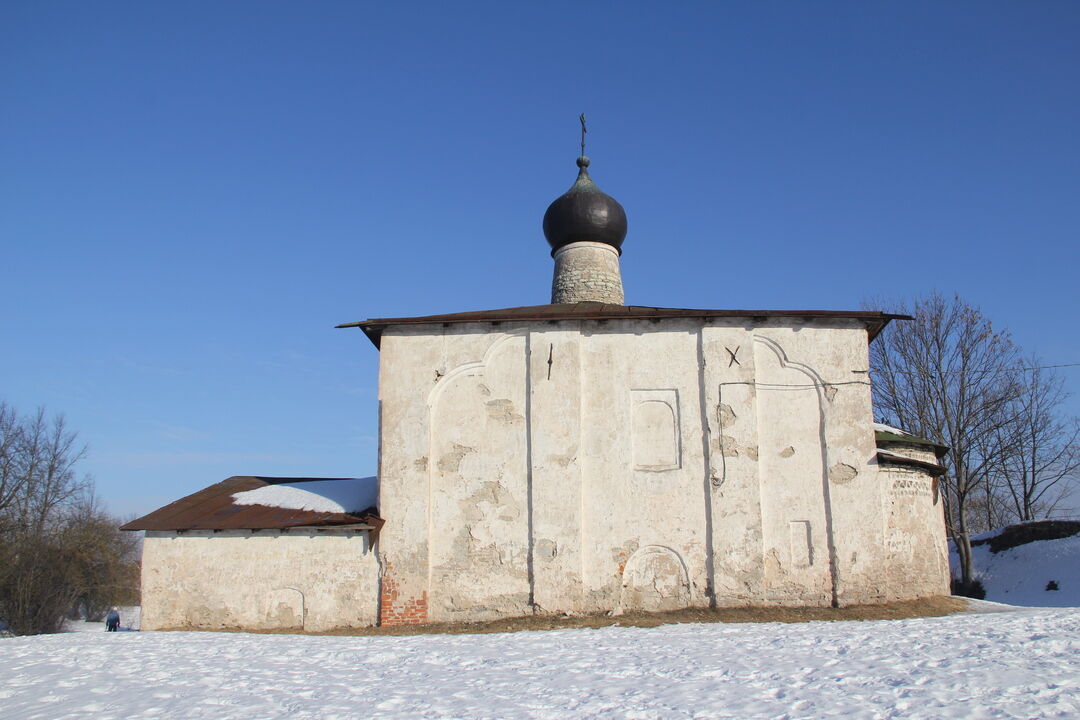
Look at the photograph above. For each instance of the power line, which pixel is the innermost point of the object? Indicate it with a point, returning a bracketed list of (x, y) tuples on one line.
[(823, 384), (905, 372), (826, 384), (982, 372)]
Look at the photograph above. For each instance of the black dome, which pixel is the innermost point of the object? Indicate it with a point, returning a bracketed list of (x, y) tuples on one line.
[(584, 214)]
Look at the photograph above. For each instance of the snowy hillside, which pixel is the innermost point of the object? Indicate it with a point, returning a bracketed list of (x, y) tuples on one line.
[(1016, 664), (1040, 573)]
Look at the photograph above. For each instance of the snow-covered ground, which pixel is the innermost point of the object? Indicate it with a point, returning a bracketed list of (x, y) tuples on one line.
[(1023, 663), (1021, 575)]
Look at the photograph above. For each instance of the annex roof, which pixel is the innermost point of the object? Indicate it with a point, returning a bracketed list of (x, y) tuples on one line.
[(888, 434), (373, 328), (216, 508), (887, 457)]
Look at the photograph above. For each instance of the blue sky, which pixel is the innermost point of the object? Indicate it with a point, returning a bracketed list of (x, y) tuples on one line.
[(193, 194)]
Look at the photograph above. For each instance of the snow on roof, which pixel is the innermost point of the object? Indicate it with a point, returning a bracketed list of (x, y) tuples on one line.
[(346, 495), (890, 453), (215, 508), (897, 435), (889, 456)]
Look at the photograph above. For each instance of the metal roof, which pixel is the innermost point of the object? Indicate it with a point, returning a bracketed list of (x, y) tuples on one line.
[(373, 328), (213, 508), (887, 458), (883, 436)]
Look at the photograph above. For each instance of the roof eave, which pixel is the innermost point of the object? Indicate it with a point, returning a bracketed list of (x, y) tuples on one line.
[(361, 522), (882, 436), (373, 328), (927, 467)]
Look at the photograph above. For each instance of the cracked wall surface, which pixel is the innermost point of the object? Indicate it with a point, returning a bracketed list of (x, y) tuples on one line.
[(524, 467), (302, 580), (917, 557)]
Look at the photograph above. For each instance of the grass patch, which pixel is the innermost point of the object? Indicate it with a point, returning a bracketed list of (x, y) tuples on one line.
[(926, 607)]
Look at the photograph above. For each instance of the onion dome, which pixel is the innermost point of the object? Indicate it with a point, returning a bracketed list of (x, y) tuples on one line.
[(584, 214)]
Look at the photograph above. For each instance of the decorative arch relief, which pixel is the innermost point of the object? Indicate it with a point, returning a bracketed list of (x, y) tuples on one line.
[(812, 376), (473, 368), (284, 608), (655, 579), (655, 430)]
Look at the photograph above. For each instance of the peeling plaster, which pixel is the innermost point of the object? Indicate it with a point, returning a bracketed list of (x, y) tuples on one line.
[(841, 473)]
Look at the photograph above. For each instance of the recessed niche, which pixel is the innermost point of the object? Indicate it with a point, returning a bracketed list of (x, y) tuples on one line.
[(802, 545), (656, 444)]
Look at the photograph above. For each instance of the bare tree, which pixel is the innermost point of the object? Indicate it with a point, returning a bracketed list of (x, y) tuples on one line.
[(104, 560), (11, 477), (1041, 455), (950, 377), (57, 547), (46, 457)]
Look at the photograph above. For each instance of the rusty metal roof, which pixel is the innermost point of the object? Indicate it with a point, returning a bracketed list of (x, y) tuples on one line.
[(213, 508), (373, 328)]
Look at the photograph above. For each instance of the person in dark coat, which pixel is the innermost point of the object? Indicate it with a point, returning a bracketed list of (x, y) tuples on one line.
[(112, 620)]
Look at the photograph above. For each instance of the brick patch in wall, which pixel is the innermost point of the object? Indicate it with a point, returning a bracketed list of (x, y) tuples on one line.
[(396, 610)]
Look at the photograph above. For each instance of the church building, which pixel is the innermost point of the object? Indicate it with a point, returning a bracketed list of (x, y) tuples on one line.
[(583, 456)]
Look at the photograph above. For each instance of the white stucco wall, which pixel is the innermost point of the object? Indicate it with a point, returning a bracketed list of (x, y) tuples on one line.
[(301, 580), (917, 553), (581, 466)]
